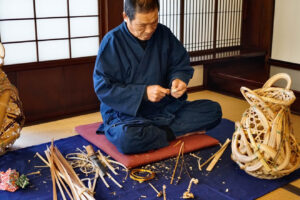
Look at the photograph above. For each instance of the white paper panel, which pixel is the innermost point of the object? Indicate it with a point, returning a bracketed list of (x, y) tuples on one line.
[(51, 8), (84, 47), (20, 53), (52, 28), (17, 30), (16, 9), (86, 7), (85, 26), (54, 50), (286, 31)]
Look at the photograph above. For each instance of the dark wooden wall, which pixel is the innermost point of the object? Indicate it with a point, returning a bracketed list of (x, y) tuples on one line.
[(252, 67), (55, 89), (257, 27), (249, 68)]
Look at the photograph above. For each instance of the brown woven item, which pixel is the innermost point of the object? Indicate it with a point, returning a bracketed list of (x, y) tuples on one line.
[(263, 143), (11, 113)]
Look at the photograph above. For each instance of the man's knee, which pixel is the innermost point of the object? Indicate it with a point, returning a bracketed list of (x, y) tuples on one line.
[(216, 115), (217, 109), (129, 140), (207, 107)]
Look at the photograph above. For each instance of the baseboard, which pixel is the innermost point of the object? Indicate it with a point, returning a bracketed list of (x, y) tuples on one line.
[(295, 108), (195, 89), (284, 64)]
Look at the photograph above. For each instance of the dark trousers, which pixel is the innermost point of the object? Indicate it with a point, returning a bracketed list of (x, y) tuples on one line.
[(136, 135)]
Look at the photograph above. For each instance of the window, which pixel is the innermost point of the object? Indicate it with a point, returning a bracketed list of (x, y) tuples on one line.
[(204, 25), (43, 30)]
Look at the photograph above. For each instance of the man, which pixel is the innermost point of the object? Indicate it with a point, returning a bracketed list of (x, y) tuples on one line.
[(140, 77)]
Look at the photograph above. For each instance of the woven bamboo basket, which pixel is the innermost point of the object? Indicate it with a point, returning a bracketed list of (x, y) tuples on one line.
[(263, 143), (11, 113)]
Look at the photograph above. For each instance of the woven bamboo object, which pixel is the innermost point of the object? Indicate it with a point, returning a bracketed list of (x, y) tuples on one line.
[(263, 143), (11, 113)]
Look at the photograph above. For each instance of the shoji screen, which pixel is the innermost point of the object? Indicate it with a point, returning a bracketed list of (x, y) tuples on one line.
[(43, 30), (204, 25), (18, 26)]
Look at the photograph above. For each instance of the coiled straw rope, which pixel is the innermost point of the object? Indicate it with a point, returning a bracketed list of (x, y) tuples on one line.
[(11, 113), (263, 143)]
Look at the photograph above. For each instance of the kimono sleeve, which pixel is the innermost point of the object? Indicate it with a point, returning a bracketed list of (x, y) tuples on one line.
[(109, 81), (179, 61)]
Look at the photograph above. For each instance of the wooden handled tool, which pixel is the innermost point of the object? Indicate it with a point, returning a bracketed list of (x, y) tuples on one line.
[(95, 160)]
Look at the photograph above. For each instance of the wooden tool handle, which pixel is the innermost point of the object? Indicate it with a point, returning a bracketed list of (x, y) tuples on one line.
[(89, 149)]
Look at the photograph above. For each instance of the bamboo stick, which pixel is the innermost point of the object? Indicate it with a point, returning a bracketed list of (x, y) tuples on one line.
[(174, 171), (102, 158), (218, 155), (208, 160)]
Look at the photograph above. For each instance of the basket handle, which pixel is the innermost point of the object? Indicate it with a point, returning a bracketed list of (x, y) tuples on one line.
[(277, 77)]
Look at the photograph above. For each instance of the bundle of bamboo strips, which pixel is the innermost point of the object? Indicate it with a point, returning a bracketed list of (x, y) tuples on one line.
[(264, 144), (63, 175)]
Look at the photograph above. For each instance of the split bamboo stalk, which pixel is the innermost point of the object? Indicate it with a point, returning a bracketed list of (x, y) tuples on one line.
[(54, 177), (174, 171), (60, 168), (218, 155), (102, 158), (208, 160)]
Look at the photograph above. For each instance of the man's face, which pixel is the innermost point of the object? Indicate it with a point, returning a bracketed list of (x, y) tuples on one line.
[(143, 25)]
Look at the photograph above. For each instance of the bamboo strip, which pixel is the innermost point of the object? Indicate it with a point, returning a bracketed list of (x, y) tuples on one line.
[(174, 171), (102, 158), (218, 155), (54, 171), (50, 158), (210, 158)]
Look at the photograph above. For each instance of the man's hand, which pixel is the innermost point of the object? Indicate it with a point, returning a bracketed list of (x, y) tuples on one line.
[(155, 93), (178, 88)]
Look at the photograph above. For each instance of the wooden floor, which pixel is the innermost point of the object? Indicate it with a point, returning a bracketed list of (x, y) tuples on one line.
[(232, 109)]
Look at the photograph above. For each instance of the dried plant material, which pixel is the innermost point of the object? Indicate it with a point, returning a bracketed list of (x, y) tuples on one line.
[(187, 194), (213, 156), (40, 166), (264, 144), (158, 193), (177, 143), (218, 155), (164, 192), (178, 156), (103, 159), (198, 160), (63, 174), (181, 166), (33, 173)]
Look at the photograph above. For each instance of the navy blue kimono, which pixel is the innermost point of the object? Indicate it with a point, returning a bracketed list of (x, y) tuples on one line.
[(122, 72)]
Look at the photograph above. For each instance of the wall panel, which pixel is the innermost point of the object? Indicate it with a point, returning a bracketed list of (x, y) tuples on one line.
[(41, 91)]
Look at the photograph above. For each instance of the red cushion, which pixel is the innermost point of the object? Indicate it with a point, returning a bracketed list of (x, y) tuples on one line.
[(192, 142)]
